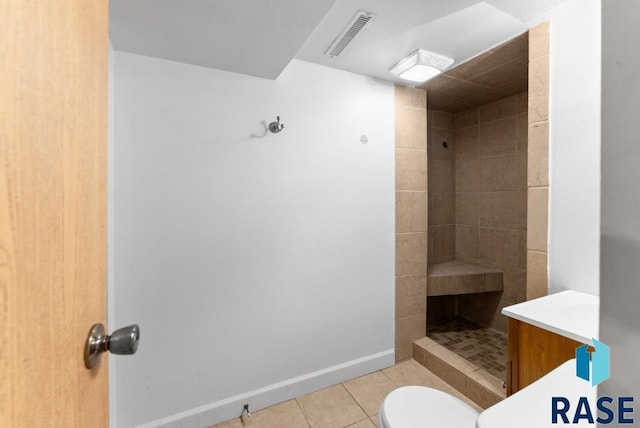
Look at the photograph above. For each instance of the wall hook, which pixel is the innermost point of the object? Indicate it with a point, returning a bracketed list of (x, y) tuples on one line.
[(276, 127)]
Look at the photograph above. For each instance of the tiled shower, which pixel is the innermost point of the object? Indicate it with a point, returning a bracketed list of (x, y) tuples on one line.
[(478, 199), (485, 165)]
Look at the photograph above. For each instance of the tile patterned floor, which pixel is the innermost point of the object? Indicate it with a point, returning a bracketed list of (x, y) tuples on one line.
[(482, 346), (352, 404)]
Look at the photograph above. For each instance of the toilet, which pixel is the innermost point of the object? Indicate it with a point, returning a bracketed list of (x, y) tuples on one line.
[(423, 407)]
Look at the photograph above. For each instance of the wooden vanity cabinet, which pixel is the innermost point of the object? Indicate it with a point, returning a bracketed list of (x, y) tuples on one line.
[(533, 352)]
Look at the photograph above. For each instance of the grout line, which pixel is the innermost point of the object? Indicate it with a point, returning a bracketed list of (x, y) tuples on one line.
[(412, 233), (306, 417), (537, 251), (400, 104), (355, 423), (411, 149), (391, 380), (357, 402)]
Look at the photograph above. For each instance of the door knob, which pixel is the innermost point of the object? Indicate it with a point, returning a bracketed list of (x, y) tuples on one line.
[(123, 341)]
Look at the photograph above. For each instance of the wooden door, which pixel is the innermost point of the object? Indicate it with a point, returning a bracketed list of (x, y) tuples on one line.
[(53, 146)]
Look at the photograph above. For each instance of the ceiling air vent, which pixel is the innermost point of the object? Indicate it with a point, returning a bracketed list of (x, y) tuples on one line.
[(357, 24)]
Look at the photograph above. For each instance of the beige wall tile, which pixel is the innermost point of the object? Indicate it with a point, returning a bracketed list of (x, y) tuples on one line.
[(537, 219), (467, 176), (441, 208), (438, 286), (407, 330), (442, 119), (411, 128), (515, 48), (467, 284), (467, 208), (466, 241), (436, 147), (331, 407), (499, 246), (494, 282), (477, 65), (425, 343), (442, 241), (539, 89), (522, 249), (503, 209), (411, 212), (501, 75), (499, 109), (443, 370), (411, 292), (497, 137), (515, 280), (539, 40), (410, 97), (489, 381), (522, 132), (440, 308), (411, 253), (483, 309), (538, 159), (411, 373), (411, 169), (498, 174), (480, 394), (523, 102), (369, 391), (521, 180), (466, 118), (436, 260), (537, 282), (466, 143), (441, 176)]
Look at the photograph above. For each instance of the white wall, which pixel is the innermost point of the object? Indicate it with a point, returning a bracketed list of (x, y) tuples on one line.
[(574, 144), (620, 263), (248, 259)]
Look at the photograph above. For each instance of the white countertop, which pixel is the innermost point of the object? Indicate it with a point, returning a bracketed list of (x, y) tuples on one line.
[(570, 314), (531, 406)]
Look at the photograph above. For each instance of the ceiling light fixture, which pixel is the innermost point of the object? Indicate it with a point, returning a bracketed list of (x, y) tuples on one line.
[(420, 66)]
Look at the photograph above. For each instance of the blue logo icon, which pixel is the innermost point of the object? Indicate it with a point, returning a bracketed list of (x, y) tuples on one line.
[(593, 364)]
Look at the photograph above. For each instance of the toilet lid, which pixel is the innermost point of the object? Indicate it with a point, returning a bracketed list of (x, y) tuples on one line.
[(419, 406)]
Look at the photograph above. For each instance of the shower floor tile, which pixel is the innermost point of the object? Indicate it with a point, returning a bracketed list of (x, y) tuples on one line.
[(485, 347)]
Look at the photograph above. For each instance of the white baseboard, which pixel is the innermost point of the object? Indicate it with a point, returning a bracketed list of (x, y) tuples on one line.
[(230, 408)]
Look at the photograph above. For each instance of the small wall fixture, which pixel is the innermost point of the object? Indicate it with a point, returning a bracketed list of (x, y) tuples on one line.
[(420, 66), (276, 127)]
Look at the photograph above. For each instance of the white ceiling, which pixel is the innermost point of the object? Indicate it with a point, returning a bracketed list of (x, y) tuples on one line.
[(255, 37), (458, 29), (260, 37)]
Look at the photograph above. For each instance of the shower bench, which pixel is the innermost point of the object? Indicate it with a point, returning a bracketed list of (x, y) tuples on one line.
[(451, 278)]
